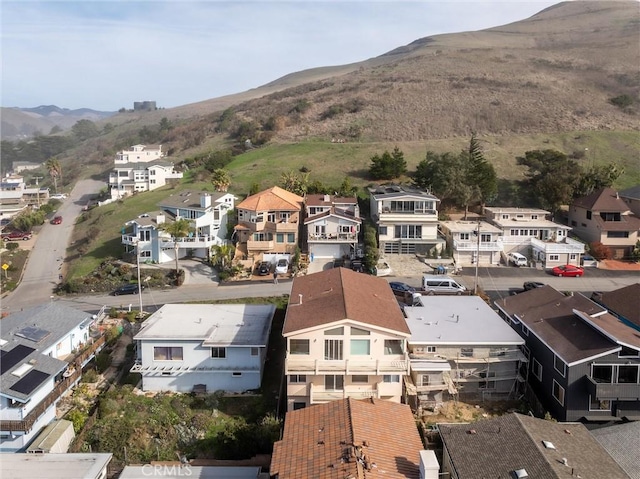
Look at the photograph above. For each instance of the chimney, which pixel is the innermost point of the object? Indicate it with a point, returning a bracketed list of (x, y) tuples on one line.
[(326, 198), (160, 219), (429, 466), (205, 200)]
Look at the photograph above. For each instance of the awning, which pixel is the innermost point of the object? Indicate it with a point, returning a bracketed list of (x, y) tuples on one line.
[(430, 366)]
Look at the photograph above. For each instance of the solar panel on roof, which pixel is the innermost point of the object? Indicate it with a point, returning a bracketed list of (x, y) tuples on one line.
[(10, 358), (30, 382), (33, 333)]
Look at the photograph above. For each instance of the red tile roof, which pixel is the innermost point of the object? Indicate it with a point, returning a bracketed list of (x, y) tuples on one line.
[(339, 293), (320, 442)]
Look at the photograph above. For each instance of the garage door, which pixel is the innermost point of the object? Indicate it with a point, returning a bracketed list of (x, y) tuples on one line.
[(325, 250), (274, 257)]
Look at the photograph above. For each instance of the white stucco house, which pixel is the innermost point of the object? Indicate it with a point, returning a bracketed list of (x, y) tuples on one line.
[(139, 153), (471, 241), (205, 347), (407, 219), (38, 364), (528, 231), (332, 224), (207, 212)]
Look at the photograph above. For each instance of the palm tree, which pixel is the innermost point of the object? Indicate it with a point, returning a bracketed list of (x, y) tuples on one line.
[(221, 255), (55, 171), (178, 229), (221, 179)]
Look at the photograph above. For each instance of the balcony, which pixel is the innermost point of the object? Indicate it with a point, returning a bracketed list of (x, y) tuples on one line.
[(253, 245), (158, 368), (473, 245), (282, 227), (333, 238), (191, 242), (566, 246), (348, 366), (617, 391), (317, 394), (392, 216)]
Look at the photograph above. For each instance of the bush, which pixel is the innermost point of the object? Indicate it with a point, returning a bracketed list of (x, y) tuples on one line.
[(90, 376), (622, 101), (11, 246), (103, 361), (78, 418), (600, 251)]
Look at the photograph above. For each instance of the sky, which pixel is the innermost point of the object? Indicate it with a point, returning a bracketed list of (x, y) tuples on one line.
[(105, 55)]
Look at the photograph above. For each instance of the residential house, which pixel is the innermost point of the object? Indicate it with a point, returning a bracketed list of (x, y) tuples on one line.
[(467, 246), (43, 350), (352, 438), (56, 466), (620, 440), (603, 216), (623, 303), (207, 213), (529, 231), (16, 196), (139, 154), (584, 362), (460, 347), (268, 224), (407, 219), (346, 337), (519, 446), (128, 178), (631, 196), (203, 347), (333, 225)]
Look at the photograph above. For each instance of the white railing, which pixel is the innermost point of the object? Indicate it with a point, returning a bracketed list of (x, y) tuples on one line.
[(348, 366), (567, 246), (473, 245)]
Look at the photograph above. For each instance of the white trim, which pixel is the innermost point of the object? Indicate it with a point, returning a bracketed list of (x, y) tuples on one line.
[(609, 400)]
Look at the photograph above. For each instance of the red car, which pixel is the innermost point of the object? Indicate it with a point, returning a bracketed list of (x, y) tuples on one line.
[(568, 270), (16, 235), (56, 220)]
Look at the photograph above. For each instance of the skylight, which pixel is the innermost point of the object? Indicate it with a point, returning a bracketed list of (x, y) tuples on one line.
[(22, 370)]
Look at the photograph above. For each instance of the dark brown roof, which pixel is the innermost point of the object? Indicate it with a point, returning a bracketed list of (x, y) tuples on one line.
[(549, 315), (495, 448), (319, 200), (339, 293), (605, 199), (626, 223), (616, 329), (318, 439), (624, 302)]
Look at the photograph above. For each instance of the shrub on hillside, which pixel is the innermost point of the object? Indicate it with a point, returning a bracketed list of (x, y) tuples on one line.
[(622, 101)]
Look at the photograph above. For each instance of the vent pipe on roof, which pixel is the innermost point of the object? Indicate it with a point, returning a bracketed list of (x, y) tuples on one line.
[(300, 299)]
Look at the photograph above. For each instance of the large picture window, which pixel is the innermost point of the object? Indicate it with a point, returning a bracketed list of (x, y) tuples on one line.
[(299, 346), (360, 347), (167, 353), (219, 353), (392, 346)]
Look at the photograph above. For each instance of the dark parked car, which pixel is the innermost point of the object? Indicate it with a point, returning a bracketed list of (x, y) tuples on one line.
[(264, 268), (529, 285), (131, 288), (402, 289), (357, 265)]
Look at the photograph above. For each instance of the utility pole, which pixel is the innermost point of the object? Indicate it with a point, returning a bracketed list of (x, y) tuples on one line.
[(138, 266), (475, 284), (38, 189)]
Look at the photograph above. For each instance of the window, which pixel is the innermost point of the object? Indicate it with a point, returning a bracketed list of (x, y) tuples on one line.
[(219, 353), (360, 379), (627, 352), (271, 216), (602, 374), (408, 231), (382, 230), (299, 405), (559, 365), (466, 352), (617, 234), (167, 353), (558, 392), (255, 351), (554, 257), (297, 378), (588, 214), (628, 374), (299, 346), (360, 347), (464, 236), (279, 237), (334, 332), (291, 238), (334, 382), (525, 330), (359, 332), (333, 349), (534, 217), (391, 378), (284, 216), (487, 384), (596, 405), (426, 380), (536, 369), (611, 216), (392, 346), (572, 256), (431, 349)]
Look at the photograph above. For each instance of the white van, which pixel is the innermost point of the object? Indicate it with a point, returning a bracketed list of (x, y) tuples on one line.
[(517, 259), (441, 284)]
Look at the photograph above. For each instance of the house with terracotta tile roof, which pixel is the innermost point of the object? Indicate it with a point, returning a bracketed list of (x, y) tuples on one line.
[(332, 226), (518, 446), (346, 337), (349, 438), (584, 363), (268, 223), (605, 217)]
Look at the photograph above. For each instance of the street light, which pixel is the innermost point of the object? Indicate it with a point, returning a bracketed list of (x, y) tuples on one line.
[(475, 284)]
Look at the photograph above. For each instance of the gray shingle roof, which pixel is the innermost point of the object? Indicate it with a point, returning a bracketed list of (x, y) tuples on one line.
[(622, 442)]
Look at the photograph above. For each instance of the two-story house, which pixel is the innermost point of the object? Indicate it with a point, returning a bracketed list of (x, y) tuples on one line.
[(207, 212), (139, 154), (43, 350), (16, 196), (473, 241), (268, 224), (584, 362), (407, 219), (346, 337), (604, 217), (622, 303), (333, 225), (203, 347), (631, 196), (460, 347), (352, 439), (528, 231), (518, 446)]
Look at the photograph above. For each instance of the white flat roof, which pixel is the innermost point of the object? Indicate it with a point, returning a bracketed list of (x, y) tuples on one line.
[(462, 226), (526, 224), (53, 466), (200, 472), (458, 320), (216, 324)]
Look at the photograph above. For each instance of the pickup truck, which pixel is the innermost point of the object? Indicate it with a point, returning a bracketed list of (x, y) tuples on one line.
[(16, 235)]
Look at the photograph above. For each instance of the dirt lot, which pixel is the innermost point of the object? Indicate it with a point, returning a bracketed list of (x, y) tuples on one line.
[(460, 411)]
